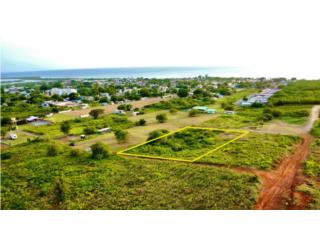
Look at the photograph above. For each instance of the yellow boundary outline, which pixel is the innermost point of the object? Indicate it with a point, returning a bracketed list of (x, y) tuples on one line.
[(243, 133)]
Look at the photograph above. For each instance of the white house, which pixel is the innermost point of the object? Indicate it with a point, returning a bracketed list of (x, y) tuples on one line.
[(62, 91)]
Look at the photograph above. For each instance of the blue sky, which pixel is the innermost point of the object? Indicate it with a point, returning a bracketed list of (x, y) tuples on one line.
[(267, 35)]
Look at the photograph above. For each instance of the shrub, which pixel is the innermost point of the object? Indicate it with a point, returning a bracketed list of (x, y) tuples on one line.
[(121, 135), (99, 151), (76, 152), (125, 107), (53, 150), (267, 117), (193, 113), (65, 127), (5, 156), (141, 122), (162, 118), (157, 133), (95, 113), (89, 130), (173, 110)]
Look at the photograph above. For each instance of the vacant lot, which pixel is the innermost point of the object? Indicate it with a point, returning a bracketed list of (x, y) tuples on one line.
[(32, 180), (255, 150), (186, 144)]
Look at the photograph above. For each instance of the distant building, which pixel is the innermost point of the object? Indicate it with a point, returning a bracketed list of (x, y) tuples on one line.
[(205, 109), (62, 91), (32, 119)]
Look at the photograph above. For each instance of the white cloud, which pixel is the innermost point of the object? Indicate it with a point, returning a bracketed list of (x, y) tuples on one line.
[(259, 34)]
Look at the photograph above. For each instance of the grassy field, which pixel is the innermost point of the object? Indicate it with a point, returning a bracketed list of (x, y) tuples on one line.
[(312, 188), (299, 92), (78, 125), (262, 151), (185, 144), (312, 164), (32, 180)]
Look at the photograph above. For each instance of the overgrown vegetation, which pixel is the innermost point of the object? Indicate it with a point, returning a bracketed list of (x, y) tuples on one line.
[(31, 180), (186, 144), (312, 188), (299, 92), (253, 150), (312, 164)]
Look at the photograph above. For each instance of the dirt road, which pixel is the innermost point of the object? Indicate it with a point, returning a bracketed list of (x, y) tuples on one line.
[(278, 184)]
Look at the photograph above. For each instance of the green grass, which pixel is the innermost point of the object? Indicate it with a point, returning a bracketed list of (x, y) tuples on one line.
[(77, 125), (186, 144), (299, 92), (312, 189), (260, 151), (293, 114), (312, 164), (59, 117), (31, 180), (22, 138)]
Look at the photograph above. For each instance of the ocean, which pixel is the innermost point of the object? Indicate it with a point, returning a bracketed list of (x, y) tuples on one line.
[(146, 72)]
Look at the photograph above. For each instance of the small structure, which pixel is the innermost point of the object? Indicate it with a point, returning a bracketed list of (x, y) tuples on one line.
[(82, 136), (13, 136), (84, 115), (229, 112), (205, 109), (104, 130), (32, 119), (120, 112)]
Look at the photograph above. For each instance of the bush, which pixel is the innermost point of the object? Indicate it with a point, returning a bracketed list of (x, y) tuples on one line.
[(125, 107), (53, 150), (267, 117), (76, 152), (99, 151), (173, 110), (141, 122), (65, 127), (121, 136), (89, 130), (193, 113), (95, 113), (162, 118), (157, 133), (5, 156)]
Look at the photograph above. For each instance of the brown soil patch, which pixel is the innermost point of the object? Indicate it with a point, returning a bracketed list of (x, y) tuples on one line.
[(279, 184)]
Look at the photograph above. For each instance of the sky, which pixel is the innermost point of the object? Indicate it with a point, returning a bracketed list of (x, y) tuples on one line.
[(261, 35)]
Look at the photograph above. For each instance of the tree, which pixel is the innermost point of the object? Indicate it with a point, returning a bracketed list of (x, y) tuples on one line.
[(162, 117), (65, 127), (157, 133), (99, 151), (73, 96), (141, 122), (193, 113), (183, 92), (121, 135), (95, 113)]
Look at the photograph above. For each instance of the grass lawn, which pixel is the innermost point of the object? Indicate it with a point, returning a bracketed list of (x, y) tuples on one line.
[(32, 180), (22, 138), (255, 150), (59, 117)]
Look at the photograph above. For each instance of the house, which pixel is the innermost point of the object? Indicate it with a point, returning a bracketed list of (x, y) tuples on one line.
[(104, 130), (62, 91), (205, 109), (32, 119)]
